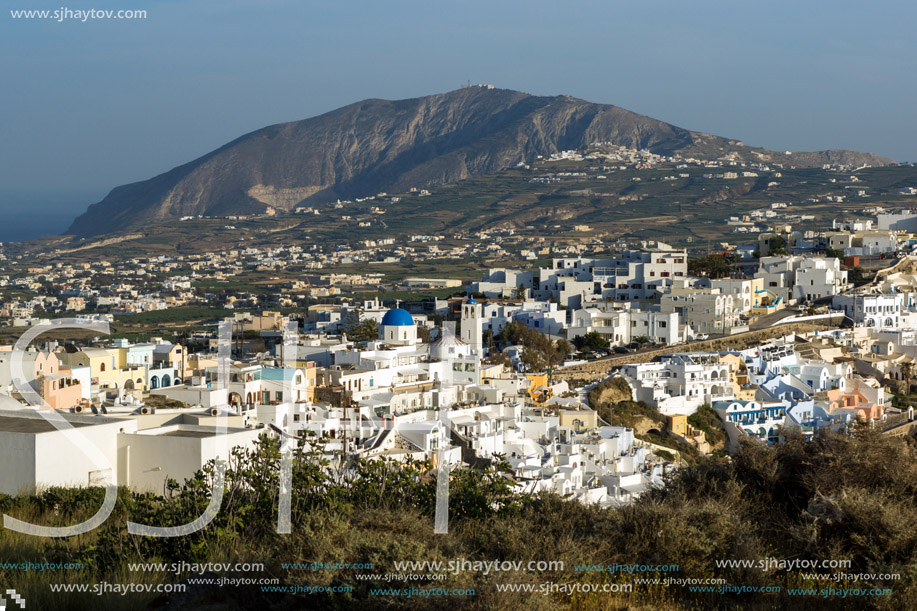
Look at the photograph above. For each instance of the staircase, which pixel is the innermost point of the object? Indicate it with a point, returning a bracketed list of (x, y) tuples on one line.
[(468, 454)]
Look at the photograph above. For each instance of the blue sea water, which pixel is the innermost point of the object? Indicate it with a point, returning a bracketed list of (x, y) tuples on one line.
[(25, 216)]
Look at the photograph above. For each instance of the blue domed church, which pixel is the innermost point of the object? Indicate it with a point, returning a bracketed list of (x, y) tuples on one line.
[(398, 328)]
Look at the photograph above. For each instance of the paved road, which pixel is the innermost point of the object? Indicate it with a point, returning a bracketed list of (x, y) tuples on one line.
[(769, 320)]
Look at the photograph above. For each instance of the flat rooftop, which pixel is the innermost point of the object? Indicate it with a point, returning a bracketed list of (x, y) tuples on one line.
[(193, 434), (19, 424)]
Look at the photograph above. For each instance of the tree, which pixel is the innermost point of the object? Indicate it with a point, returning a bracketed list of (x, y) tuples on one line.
[(562, 349), (533, 359), (359, 330), (856, 275), (367, 331), (777, 245), (520, 293), (907, 372), (423, 334), (539, 350), (487, 337), (350, 323), (712, 266), (590, 341)]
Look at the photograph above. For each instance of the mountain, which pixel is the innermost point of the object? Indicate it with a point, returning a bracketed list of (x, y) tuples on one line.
[(381, 145)]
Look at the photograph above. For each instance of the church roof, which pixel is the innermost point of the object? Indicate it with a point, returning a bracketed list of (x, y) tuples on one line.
[(397, 317)]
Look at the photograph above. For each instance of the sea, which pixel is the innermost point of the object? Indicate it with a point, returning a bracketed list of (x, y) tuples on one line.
[(26, 216)]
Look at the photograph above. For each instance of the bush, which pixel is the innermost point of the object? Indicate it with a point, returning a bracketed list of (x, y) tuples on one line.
[(836, 497), (706, 420)]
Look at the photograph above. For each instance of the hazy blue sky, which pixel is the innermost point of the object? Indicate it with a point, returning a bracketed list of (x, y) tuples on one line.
[(88, 106)]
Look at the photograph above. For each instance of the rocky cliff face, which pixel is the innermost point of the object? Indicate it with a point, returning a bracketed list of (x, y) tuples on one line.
[(381, 145)]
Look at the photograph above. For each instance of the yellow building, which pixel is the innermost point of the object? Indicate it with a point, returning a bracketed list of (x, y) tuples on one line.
[(678, 424), (267, 321), (738, 377), (578, 419), (105, 365)]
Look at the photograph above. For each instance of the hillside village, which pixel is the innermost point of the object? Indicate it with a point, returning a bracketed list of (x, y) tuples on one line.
[(420, 306), (534, 366)]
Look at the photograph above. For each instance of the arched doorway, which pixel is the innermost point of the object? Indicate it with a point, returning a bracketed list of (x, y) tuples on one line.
[(154, 382)]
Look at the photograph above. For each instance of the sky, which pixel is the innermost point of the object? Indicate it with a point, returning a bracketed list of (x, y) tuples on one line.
[(90, 105)]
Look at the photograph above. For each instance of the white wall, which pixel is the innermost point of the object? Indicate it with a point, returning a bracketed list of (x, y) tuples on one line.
[(61, 461), (17, 455), (152, 457)]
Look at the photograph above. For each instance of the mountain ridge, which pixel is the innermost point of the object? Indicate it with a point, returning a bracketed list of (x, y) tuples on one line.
[(377, 145)]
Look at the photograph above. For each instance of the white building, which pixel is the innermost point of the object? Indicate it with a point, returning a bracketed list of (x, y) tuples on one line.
[(680, 383), (752, 418), (898, 221), (141, 451), (473, 327), (150, 457), (879, 311), (622, 326), (502, 283), (703, 310), (744, 291), (637, 275), (35, 454), (818, 278)]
